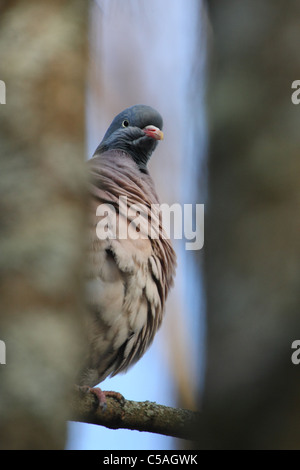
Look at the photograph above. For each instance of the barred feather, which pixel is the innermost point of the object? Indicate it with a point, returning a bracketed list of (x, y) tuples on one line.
[(127, 280)]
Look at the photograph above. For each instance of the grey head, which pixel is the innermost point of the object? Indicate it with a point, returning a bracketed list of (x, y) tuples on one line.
[(136, 130)]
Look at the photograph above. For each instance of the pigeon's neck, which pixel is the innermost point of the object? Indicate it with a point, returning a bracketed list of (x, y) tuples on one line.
[(140, 158), (137, 152)]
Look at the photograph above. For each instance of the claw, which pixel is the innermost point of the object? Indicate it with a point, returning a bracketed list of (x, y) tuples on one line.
[(116, 395), (101, 395)]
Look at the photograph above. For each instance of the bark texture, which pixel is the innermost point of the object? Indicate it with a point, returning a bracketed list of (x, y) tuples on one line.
[(42, 207), (140, 416), (252, 229)]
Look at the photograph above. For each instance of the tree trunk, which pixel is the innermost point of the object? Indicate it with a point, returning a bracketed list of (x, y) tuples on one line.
[(42, 207), (252, 244)]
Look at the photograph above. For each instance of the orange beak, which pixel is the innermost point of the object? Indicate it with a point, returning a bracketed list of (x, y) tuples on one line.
[(154, 132)]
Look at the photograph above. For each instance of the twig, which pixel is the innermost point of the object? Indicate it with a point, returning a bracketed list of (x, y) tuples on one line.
[(140, 416)]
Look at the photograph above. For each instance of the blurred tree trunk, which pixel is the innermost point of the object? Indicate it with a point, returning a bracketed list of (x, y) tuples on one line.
[(252, 233), (42, 205)]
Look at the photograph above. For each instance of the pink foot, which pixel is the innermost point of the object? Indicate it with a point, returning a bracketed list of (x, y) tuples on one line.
[(101, 395)]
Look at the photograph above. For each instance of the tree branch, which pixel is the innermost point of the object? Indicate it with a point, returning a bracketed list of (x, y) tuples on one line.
[(140, 416)]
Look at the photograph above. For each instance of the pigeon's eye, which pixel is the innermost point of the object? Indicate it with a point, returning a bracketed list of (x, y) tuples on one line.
[(125, 123)]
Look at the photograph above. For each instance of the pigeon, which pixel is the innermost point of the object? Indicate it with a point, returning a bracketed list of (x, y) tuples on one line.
[(130, 260)]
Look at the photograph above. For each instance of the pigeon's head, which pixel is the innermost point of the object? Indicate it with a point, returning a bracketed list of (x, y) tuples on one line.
[(136, 130)]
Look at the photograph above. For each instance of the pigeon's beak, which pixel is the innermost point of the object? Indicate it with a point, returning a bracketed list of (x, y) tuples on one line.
[(154, 132)]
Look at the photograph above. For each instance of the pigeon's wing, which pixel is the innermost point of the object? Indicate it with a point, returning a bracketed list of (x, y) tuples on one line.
[(128, 276)]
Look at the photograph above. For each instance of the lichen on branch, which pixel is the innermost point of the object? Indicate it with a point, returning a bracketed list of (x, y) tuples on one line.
[(140, 416)]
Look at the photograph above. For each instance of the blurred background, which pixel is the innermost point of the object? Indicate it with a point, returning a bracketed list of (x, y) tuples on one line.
[(220, 73), (146, 53), (252, 231)]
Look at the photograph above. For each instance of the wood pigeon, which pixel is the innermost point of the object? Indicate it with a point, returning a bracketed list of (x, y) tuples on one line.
[(128, 277)]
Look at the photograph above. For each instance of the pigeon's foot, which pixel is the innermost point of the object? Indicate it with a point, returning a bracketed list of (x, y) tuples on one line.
[(101, 395), (116, 395)]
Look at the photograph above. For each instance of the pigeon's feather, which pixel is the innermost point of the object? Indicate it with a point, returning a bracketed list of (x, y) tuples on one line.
[(128, 280)]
